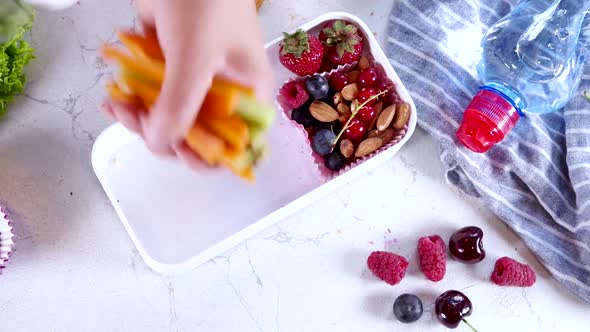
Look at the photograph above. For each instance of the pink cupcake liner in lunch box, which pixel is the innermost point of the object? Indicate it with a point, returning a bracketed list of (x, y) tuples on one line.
[(178, 218), (324, 172), (6, 237)]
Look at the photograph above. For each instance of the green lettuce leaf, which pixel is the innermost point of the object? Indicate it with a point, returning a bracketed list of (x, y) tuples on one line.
[(15, 52)]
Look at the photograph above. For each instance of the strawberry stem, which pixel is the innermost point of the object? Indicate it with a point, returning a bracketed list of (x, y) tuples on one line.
[(470, 326), (587, 95), (355, 112)]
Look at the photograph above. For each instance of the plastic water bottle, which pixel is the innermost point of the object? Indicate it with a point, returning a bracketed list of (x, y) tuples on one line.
[(532, 62)]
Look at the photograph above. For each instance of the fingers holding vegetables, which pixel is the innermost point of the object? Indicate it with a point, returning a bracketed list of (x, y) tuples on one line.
[(227, 130)]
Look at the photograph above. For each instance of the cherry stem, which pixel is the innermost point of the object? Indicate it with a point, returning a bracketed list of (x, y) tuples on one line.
[(470, 326), (373, 97)]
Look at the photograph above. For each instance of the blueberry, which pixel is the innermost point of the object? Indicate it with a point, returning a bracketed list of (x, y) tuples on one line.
[(297, 115), (335, 160), (323, 141), (407, 308), (317, 86), (302, 116)]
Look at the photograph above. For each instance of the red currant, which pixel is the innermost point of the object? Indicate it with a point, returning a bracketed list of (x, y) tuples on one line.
[(338, 81), (382, 87), (355, 131), (366, 114), (391, 95), (365, 94), (368, 77)]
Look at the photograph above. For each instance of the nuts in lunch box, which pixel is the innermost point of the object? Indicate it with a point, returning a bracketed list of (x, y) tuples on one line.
[(346, 148), (350, 92), (358, 114), (323, 112), (378, 110), (338, 98), (364, 63), (344, 111), (353, 76), (402, 115), (387, 135), (368, 146), (386, 117)]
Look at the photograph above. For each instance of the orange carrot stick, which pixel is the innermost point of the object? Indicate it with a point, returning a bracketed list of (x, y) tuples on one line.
[(150, 70), (146, 91), (206, 145), (142, 46), (223, 97), (115, 93), (231, 129)]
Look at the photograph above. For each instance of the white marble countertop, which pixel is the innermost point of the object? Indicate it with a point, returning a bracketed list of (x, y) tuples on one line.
[(75, 268)]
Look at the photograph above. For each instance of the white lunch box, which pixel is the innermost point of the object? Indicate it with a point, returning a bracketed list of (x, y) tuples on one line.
[(178, 218)]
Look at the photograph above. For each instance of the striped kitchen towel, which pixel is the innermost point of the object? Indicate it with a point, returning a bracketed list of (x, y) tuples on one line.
[(538, 179)]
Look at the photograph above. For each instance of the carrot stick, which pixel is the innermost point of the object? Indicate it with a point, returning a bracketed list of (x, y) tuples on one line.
[(223, 97), (149, 69), (115, 93), (231, 129), (142, 46), (248, 174), (205, 144), (146, 91)]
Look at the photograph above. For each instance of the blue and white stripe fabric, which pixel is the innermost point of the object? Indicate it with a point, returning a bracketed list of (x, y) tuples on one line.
[(538, 179)]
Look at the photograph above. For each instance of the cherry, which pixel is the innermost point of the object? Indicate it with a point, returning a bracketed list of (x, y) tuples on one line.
[(355, 131), (466, 245), (338, 81), (366, 114), (368, 77), (451, 307), (365, 94)]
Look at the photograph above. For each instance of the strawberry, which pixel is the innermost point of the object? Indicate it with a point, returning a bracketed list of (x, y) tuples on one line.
[(301, 53), (342, 42)]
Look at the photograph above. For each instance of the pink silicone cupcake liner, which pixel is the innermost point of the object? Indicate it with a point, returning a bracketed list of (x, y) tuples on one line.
[(6, 238), (325, 173), (286, 113)]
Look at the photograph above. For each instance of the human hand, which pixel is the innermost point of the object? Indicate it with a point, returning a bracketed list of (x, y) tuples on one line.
[(200, 39)]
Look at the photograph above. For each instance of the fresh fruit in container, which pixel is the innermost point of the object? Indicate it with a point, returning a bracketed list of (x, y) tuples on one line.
[(301, 53), (342, 42), (230, 126)]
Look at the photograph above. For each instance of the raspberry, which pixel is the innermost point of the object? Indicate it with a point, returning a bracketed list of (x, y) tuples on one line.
[(432, 253), (387, 266), (293, 94), (508, 272)]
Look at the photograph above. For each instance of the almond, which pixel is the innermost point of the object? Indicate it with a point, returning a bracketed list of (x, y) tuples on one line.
[(368, 146), (350, 92), (387, 135), (346, 148), (343, 108), (364, 63), (353, 76), (338, 98), (323, 112), (386, 117), (374, 133), (378, 109), (344, 111), (402, 115)]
